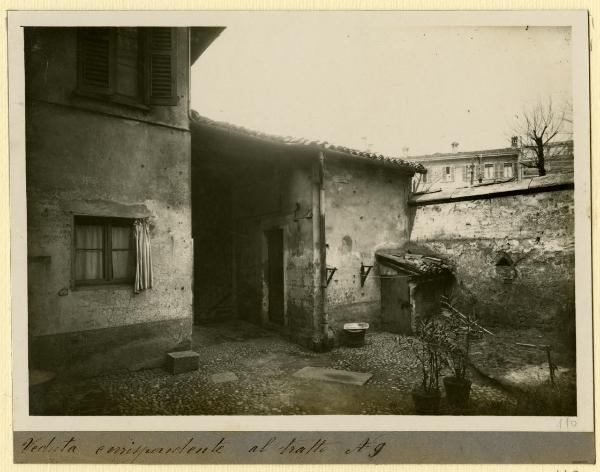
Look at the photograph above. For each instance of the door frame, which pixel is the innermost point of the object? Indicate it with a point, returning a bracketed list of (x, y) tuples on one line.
[(270, 225)]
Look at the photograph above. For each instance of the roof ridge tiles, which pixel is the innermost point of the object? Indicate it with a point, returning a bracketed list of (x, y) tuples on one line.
[(291, 140)]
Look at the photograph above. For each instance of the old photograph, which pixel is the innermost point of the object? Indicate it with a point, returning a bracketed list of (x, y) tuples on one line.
[(322, 219)]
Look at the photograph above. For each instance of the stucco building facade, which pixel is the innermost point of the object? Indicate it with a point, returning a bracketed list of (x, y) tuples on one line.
[(293, 242), (108, 145)]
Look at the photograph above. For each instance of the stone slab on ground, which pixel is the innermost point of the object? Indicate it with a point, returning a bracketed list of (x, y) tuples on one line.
[(531, 375), (223, 377), (333, 375), (182, 361)]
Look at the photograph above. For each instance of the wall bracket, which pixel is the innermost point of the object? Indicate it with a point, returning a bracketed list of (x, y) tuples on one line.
[(330, 272), (364, 273)]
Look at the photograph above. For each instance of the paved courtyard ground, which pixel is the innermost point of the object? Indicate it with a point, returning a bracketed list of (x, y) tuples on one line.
[(254, 371)]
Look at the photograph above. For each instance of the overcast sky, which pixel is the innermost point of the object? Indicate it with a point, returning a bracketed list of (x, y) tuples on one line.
[(381, 87)]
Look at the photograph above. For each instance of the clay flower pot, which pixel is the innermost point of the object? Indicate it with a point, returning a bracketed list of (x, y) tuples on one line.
[(426, 403), (458, 390)]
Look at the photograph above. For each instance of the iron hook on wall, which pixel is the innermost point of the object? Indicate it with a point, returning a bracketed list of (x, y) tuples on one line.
[(364, 273)]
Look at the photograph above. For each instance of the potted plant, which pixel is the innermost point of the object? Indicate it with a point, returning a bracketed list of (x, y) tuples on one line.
[(457, 344), (427, 347)]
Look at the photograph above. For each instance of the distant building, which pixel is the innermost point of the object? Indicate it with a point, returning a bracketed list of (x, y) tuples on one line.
[(465, 169)]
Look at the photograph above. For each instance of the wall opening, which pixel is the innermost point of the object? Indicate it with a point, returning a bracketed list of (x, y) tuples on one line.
[(505, 267)]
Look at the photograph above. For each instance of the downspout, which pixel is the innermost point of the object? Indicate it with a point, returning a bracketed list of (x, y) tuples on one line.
[(320, 321)]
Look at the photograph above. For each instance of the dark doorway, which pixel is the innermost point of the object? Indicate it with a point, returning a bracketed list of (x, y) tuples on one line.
[(275, 274), (395, 305)]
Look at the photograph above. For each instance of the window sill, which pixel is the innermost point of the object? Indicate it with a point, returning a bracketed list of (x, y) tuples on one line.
[(107, 286), (111, 98)]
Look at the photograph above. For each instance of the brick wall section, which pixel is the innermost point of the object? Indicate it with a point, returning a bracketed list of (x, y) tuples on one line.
[(534, 230)]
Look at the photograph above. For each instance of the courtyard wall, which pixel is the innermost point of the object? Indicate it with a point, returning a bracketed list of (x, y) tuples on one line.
[(513, 246)]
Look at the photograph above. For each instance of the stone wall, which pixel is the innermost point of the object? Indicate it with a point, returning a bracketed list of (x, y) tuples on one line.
[(514, 254), (93, 157), (365, 209)]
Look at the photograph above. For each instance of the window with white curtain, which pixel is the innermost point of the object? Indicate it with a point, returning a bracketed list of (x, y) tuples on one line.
[(104, 251), (488, 171), (508, 169)]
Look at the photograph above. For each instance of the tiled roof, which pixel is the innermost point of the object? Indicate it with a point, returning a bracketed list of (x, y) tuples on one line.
[(458, 155), (293, 141), (417, 265)]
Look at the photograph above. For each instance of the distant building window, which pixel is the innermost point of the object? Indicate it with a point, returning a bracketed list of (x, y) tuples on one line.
[(488, 171), (104, 250), (424, 178), (468, 172), (128, 65), (448, 174), (508, 171)]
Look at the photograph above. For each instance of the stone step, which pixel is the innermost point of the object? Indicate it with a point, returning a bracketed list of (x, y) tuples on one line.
[(182, 361)]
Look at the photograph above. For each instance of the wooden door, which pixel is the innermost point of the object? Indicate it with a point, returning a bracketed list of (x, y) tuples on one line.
[(395, 305), (275, 275)]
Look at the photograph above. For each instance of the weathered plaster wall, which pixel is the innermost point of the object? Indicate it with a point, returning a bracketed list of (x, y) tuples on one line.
[(534, 230), (100, 159), (365, 210), (266, 187), (264, 199)]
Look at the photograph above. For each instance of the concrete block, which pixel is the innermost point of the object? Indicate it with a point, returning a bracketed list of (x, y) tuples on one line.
[(182, 361)]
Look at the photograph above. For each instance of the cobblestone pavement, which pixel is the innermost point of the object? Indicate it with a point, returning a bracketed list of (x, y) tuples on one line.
[(264, 363)]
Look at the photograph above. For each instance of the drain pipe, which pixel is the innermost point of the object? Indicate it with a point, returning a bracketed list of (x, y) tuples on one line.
[(320, 324)]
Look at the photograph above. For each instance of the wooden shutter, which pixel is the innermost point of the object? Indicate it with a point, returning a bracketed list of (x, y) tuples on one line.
[(95, 49), (451, 176), (161, 66)]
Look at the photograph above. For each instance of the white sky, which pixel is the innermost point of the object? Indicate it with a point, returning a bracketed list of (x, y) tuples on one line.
[(381, 87)]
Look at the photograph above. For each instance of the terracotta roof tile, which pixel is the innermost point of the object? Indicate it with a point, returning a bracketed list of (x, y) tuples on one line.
[(295, 141)]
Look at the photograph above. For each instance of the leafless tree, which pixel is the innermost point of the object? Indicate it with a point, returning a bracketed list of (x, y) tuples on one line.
[(542, 129)]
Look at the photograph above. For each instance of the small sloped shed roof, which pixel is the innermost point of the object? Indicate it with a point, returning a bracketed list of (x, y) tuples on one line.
[(315, 144), (419, 265)]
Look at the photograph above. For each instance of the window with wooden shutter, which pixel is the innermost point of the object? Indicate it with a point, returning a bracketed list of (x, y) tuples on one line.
[(161, 66), (96, 60)]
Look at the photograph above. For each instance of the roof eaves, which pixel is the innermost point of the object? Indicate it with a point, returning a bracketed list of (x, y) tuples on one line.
[(307, 143)]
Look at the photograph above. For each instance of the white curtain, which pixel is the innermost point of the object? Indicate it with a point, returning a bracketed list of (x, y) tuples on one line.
[(88, 260), (143, 260)]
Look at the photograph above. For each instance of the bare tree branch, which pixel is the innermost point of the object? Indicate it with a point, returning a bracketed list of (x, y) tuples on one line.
[(539, 126)]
